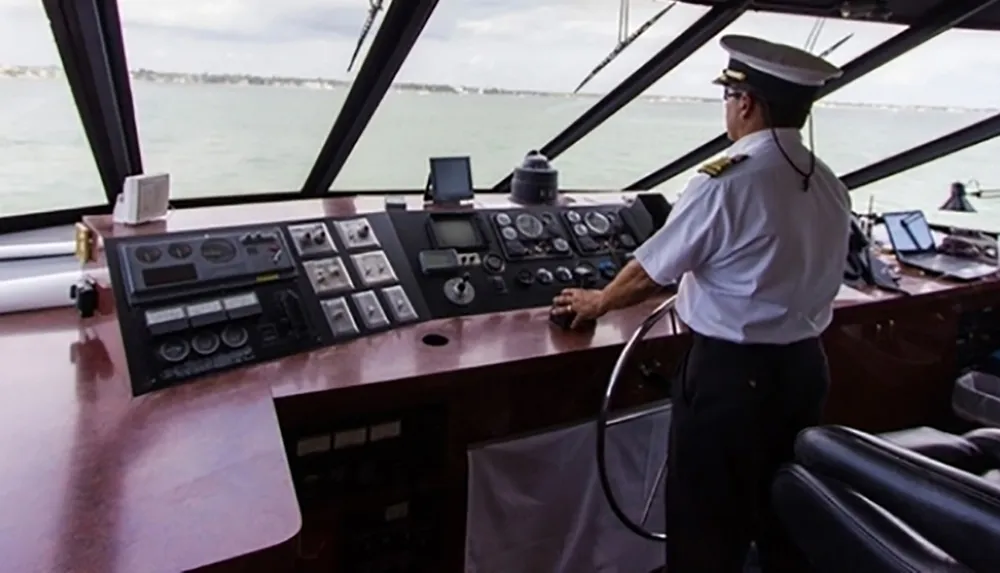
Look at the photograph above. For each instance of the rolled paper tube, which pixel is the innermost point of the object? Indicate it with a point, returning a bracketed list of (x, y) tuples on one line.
[(36, 293), (36, 250)]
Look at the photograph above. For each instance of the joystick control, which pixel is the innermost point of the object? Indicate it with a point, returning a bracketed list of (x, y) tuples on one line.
[(459, 290), (585, 277)]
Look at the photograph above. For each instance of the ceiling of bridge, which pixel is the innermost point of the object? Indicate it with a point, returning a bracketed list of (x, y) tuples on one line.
[(902, 11)]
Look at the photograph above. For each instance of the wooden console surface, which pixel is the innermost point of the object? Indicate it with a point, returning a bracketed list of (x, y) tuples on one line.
[(96, 480)]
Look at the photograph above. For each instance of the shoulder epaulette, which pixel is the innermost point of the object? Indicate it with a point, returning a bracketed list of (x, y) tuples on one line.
[(719, 166)]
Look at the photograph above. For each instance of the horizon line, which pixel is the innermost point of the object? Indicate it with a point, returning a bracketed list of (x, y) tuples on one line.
[(482, 90)]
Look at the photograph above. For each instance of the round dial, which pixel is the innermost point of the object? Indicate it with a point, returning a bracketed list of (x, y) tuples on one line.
[(493, 263), (174, 350), (179, 250), (573, 216), (508, 233), (218, 251), (234, 336), (148, 254), (560, 245), (597, 222), (205, 343), (503, 219), (529, 225)]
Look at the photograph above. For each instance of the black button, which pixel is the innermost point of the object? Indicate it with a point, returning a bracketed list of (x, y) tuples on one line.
[(515, 248), (588, 244), (498, 284), (525, 277)]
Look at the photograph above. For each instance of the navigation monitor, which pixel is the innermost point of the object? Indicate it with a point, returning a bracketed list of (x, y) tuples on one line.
[(909, 232), (451, 179), (455, 233)]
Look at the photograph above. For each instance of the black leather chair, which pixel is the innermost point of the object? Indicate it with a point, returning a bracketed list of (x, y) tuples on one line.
[(917, 501)]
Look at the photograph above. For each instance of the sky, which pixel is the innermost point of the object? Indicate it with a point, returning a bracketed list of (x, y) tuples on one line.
[(545, 45)]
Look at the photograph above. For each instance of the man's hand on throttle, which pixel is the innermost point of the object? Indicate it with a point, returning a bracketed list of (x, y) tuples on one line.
[(588, 304)]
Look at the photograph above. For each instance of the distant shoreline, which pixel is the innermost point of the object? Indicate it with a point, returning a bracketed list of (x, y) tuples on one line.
[(53, 72)]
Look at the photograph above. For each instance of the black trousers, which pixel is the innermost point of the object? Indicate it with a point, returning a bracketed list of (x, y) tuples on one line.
[(737, 409)]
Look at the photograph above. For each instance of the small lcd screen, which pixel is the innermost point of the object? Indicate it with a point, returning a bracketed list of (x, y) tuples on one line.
[(162, 276), (909, 232), (455, 233), (451, 179)]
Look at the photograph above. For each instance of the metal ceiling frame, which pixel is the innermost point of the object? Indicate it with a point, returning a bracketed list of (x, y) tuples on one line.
[(945, 16), (396, 36), (89, 39), (681, 48), (979, 132)]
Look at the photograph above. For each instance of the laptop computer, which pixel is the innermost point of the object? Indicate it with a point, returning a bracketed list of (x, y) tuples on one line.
[(913, 242)]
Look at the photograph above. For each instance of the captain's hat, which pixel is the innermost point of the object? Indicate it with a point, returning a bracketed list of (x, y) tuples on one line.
[(776, 72)]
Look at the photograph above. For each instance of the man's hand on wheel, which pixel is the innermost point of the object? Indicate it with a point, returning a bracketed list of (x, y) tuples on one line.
[(587, 304)]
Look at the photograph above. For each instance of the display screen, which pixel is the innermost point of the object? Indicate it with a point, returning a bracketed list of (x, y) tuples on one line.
[(162, 276), (909, 231), (451, 179), (455, 233), (439, 260)]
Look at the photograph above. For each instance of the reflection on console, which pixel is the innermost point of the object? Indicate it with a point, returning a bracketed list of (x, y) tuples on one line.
[(200, 302)]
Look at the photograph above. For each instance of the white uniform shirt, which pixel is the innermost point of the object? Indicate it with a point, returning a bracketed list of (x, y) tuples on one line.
[(759, 260)]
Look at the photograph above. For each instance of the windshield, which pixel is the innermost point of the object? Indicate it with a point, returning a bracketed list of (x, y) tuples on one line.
[(237, 98), (45, 162)]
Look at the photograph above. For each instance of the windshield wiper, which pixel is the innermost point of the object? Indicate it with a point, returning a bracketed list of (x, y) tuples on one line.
[(624, 40), (836, 45), (374, 7)]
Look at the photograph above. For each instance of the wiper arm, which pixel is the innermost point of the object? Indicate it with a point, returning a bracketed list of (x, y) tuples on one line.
[(624, 43), (836, 45), (374, 7)]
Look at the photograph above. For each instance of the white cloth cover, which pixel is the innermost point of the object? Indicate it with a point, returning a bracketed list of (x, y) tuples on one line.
[(535, 503)]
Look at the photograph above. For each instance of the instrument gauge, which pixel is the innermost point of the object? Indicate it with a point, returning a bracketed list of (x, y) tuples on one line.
[(529, 225), (597, 222), (179, 250), (148, 254), (218, 251), (174, 350), (205, 343), (234, 336)]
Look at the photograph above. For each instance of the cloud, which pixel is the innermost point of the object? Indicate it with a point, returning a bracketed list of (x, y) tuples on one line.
[(548, 45)]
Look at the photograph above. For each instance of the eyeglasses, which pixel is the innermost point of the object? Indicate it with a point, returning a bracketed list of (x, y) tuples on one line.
[(731, 94)]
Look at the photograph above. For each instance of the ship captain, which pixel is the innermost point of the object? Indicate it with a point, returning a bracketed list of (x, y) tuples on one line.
[(758, 243)]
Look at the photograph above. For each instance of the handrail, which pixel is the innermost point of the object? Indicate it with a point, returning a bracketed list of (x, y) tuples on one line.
[(603, 422)]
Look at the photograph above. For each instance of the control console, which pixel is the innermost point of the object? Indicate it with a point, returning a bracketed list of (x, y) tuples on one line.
[(483, 261), (194, 303)]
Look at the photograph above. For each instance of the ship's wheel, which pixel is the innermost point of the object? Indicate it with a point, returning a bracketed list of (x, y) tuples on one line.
[(604, 421)]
